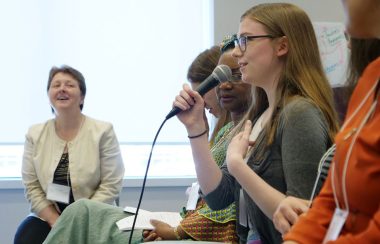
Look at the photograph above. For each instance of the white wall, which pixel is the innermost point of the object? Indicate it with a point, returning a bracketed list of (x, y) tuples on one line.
[(13, 206), (228, 12), (121, 47)]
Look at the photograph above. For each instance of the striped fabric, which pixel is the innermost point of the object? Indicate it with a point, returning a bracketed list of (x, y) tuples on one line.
[(323, 170)]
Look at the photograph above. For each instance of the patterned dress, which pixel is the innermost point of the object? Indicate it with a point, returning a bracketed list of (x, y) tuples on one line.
[(204, 224)]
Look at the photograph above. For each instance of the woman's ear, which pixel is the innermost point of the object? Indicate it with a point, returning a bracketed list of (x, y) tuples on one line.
[(282, 46)]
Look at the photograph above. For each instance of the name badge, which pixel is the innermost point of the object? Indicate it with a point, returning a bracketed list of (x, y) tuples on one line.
[(243, 216), (58, 193), (193, 196), (336, 225)]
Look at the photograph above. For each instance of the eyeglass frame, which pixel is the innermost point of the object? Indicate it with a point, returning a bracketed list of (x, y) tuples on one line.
[(235, 79), (239, 39)]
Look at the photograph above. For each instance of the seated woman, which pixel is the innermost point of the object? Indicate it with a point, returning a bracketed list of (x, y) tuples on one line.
[(363, 52), (67, 158), (89, 222), (347, 208), (205, 224), (278, 145)]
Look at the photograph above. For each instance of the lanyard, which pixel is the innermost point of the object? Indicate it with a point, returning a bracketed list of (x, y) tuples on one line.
[(355, 132)]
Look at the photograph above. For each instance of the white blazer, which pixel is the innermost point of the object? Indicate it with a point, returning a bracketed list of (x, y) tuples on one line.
[(95, 163)]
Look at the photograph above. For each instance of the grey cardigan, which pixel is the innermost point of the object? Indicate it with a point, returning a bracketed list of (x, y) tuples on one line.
[(289, 165)]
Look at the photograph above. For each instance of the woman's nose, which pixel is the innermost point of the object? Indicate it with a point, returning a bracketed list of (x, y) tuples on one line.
[(62, 88), (236, 52), (225, 85)]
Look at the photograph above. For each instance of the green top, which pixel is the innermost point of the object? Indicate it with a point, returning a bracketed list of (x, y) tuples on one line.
[(219, 149), (218, 152)]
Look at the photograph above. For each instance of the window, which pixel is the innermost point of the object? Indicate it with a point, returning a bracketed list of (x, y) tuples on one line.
[(134, 55)]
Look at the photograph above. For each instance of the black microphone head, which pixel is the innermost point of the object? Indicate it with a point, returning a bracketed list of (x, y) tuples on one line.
[(222, 73)]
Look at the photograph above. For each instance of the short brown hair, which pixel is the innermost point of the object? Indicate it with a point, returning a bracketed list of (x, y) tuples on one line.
[(70, 71)]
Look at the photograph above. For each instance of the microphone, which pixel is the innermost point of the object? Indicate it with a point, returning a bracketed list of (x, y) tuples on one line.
[(220, 74)]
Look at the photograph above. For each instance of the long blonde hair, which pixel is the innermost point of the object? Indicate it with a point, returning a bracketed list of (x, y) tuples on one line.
[(303, 74)]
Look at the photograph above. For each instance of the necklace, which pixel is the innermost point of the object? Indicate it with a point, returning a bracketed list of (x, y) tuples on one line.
[(223, 138)]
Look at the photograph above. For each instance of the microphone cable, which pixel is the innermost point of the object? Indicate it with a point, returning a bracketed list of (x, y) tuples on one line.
[(144, 181)]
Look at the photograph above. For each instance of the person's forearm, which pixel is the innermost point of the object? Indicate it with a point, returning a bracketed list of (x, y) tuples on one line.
[(265, 196), (208, 173), (108, 190), (49, 214)]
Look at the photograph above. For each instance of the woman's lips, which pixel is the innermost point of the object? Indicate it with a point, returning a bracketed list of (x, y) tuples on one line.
[(226, 99), (242, 66)]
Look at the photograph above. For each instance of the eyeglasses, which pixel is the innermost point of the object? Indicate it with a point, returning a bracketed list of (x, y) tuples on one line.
[(241, 41), (236, 78)]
